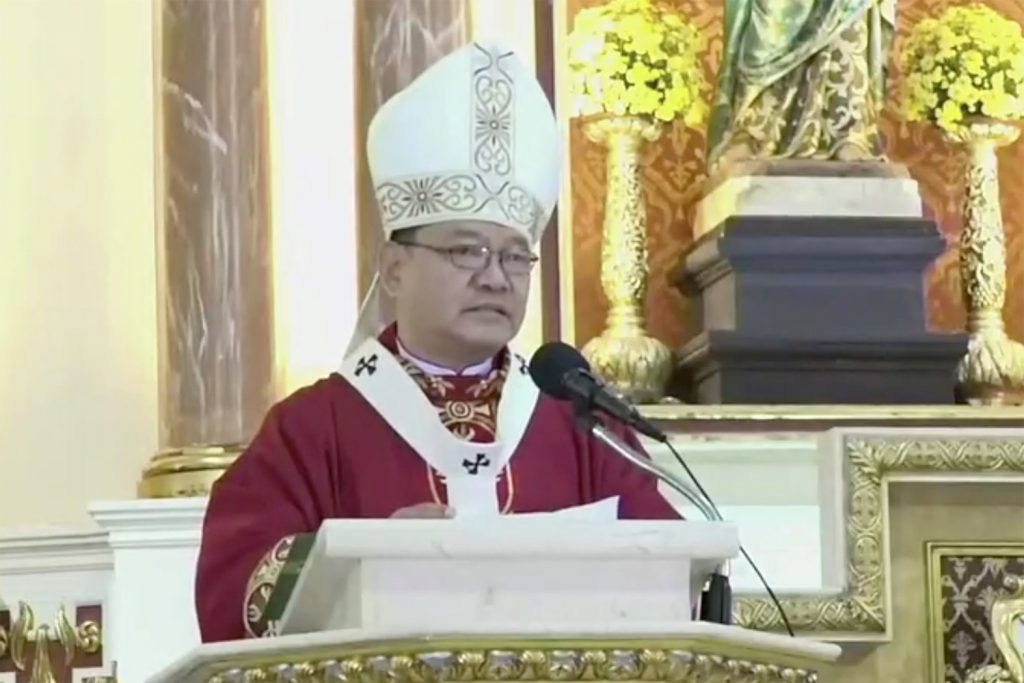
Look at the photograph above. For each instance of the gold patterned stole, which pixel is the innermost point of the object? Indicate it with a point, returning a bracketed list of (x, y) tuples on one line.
[(466, 406)]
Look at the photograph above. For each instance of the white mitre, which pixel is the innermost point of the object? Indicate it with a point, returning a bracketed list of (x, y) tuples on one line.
[(472, 138)]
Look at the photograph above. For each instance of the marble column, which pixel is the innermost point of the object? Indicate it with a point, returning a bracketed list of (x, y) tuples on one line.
[(213, 240), (544, 41), (396, 41)]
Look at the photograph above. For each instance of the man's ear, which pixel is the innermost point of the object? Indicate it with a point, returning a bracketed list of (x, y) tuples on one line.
[(390, 260)]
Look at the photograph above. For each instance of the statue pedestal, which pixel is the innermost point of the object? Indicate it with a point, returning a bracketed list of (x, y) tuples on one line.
[(806, 307), (818, 189)]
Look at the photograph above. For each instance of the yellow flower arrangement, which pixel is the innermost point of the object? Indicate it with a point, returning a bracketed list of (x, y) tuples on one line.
[(639, 58), (968, 63)]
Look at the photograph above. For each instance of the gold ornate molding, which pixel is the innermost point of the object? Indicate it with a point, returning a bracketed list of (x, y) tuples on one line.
[(85, 637), (797, 416), (428, 662), (863, 609)]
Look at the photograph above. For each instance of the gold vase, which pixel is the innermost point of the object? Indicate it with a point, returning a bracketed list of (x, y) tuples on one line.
[(994, 364), (624, 354)]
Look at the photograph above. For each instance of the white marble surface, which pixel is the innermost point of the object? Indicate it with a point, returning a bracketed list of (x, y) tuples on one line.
[(534, 536), (150, 614), (196, 664), (808, 196), (504, 570), (766, 485)]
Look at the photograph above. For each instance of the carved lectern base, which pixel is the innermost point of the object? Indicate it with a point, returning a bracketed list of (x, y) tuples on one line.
[(737, 658), (563, 664)]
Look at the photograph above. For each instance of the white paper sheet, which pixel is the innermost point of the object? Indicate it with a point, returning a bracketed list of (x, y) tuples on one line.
[(603, 510)]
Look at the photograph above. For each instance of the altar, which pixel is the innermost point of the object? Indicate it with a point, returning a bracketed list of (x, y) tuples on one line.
[(871, 524)]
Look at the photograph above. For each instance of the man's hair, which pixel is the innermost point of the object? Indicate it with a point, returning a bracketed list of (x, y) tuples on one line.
[(405, 235)]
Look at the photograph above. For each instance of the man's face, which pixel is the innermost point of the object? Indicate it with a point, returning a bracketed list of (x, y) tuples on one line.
[(461, 284)]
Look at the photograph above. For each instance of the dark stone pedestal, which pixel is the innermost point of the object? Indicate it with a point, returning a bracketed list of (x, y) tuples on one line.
[(816, 310)]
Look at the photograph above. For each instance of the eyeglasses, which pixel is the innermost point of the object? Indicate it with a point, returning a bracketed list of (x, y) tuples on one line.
[(478, 257)]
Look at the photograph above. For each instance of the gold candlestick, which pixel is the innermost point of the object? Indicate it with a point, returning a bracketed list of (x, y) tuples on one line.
[(994, 363), (624, 354)]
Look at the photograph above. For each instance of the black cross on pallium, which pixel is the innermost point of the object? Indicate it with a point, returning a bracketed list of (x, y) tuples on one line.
[(522, 364), (367, 364), (473, 466)]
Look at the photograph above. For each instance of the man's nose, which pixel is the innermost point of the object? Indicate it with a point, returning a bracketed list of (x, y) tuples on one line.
[(493, 275)]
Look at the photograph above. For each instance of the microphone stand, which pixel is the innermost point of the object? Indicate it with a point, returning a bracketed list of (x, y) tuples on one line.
[(617, 444), (716, 599)]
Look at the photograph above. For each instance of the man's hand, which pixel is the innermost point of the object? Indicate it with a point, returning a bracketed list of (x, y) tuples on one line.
[(424, 511)]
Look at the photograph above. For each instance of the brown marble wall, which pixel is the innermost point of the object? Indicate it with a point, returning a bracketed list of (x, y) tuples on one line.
[(214, 260), (674, 172), (395, 41)]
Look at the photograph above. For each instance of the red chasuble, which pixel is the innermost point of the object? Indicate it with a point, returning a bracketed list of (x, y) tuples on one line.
[(325, 452)]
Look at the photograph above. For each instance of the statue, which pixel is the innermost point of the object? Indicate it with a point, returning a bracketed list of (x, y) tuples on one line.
[(801, 79)]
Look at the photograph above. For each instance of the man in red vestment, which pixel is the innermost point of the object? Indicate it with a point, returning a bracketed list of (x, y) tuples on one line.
[(430, 414)]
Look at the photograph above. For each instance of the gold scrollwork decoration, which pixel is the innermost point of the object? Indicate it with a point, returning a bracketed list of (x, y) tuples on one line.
[(86, 637), (89, 637), (523, 664), (862, 609)]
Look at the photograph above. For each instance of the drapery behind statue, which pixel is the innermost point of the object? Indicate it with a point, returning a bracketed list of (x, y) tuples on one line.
[(801, 79)]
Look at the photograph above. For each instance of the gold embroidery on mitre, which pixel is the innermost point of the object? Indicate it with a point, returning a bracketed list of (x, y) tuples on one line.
[(492, 103), (407, 201)]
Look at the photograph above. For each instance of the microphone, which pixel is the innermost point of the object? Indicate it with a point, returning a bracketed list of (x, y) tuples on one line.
[(561, 372)]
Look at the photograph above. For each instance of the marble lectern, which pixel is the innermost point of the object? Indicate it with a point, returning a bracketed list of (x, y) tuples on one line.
[(531, 597)]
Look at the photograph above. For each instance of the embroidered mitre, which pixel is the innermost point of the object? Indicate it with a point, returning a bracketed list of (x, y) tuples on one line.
[(473, 138)]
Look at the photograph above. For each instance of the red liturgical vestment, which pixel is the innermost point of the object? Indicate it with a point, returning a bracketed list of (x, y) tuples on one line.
[(336, 449)]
